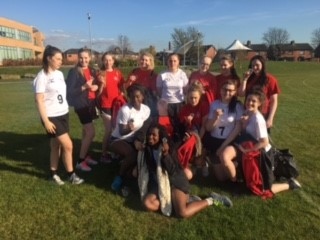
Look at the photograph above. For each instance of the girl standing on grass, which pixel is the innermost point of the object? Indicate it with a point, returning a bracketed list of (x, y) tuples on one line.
[(81, 94), (163, 184), (146, 76), (206, 79), (228, 71), (112, 81), (50, 96), (257, 77), (171, 86)]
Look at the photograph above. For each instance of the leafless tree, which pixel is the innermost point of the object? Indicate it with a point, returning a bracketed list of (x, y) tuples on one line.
[(151, 49), (181, 36), (124, 44), (315, 37), (275, 36)]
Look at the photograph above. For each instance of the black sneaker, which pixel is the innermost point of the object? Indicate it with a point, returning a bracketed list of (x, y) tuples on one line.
[(294, 184)]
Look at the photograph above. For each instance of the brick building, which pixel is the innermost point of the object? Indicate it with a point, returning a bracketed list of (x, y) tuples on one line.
[(256, 49), (19, 41)]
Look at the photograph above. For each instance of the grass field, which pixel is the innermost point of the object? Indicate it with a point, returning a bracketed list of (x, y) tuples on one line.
[(31, 207)]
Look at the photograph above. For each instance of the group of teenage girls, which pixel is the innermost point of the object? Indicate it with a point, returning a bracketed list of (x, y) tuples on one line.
[(160, 126)]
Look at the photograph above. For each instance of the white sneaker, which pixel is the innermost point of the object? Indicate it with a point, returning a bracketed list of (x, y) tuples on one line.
[(75, 179), (83, 166), (57, 180)]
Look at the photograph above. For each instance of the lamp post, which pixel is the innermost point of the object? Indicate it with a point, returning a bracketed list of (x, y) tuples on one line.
[(89, 18), (163, 57), (198, 54), (184, 53)]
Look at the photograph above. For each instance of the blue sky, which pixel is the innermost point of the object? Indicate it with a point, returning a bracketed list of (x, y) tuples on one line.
[(65, 23)]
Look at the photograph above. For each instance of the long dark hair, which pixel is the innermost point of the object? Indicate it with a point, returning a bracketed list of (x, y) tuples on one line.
[(234, 100), (263, 80), (148, 151), (162, 131), (49, 51)]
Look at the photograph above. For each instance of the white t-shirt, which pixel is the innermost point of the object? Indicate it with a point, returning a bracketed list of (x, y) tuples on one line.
[(53, 87), (257, 128), (226, 121), (172, 85), (125, 114)]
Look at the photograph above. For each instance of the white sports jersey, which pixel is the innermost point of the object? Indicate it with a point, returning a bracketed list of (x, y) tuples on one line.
[(257, 128), (127, 113), (226, 121), (172, 85), (53, 87)]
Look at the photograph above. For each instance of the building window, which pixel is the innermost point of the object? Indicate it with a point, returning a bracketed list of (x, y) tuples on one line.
[(15, 53), (24, 36), (8, 52), (301, 52), (7, 32), (26, 53)]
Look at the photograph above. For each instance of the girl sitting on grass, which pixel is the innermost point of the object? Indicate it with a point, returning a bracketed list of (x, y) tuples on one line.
[(254, 126), (162, 182)]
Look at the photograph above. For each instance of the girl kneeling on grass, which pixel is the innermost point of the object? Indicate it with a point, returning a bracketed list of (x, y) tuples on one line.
[(50, 95), (162, 182)]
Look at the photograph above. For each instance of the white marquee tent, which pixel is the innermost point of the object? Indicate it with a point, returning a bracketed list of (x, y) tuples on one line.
[(236, 46)]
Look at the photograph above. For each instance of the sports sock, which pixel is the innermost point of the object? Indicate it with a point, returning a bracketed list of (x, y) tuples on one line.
[(70, 173), (209, 200)]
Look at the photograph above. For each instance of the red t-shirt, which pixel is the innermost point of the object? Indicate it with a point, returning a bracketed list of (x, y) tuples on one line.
[(221, 79), (208, 82), (114, 81), (87, 75), (269, 89), (146, 78), (198, 112)]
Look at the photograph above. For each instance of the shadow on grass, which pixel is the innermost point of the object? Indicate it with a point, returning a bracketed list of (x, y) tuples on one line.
[(24, 153), (29, 154)]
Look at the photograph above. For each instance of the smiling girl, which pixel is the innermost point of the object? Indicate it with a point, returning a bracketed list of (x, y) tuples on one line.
[(159, 167), (81, 93), (223, 124)]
